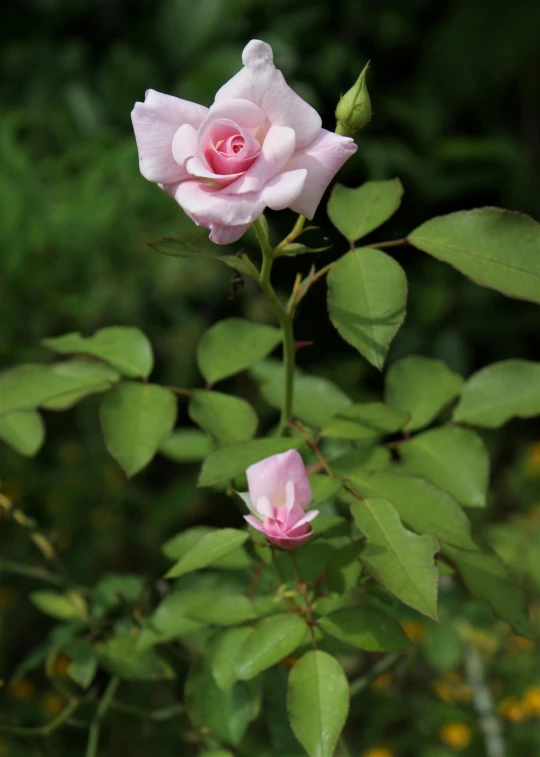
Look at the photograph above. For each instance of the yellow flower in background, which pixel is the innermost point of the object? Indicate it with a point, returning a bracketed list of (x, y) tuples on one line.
[(378, 751), (456, 735), (60, 666), (518, 644), (382, 682), (52, 704), (23, 689), (531, 701), (532, 460), (452, 689), (512, 709), (415, 630)]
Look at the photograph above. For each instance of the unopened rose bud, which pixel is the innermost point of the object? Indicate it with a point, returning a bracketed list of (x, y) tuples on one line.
[(353, 111)]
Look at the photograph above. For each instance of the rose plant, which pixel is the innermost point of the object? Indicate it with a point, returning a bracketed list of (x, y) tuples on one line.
[(356, 509)]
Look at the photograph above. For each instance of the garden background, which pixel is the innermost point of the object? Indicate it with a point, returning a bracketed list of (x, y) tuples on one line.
[(455, 88)]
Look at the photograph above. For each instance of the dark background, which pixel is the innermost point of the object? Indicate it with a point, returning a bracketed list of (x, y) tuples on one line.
[(455, 88)]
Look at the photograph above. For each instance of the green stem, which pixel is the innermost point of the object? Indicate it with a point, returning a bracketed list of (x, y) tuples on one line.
[(284, 321), (30, 571), (95, 725), (297, 229), (44, 730), (139, 712), (385, 664)]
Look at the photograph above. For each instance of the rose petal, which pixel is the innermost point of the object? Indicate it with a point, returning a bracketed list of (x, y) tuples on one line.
[(269, 477), (244, 496), (155, 123), (278, 147), (308, 517), (261, 83), (264, 507), (196, 168), (283, 191), (226, 234), (289, 542), (322, 158), (184, 144), (253, 521), (243, 112), (209, 204)]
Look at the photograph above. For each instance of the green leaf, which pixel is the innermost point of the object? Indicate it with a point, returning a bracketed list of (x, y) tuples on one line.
[(365, 421), (365, 456), (176, 547), (23, 430), (232, 345), (207, 550), (114, 590), (121, 656), (421, 386), (421, 505), (170, 620), (317, 702), (272, 639), (368, 629), (184, 249), (499, 392), (400, 560), (323, 487), (315, 400), (356, 212), (367, 296), (26, 387), (125, 348), (68, 606), (136, 419), (228, 419), (453, 458), (228, 713), (229, 462), (216, 608), (344, 567), (187, 445), (83, 666), (228, 646), (488, 579), (496, 248)]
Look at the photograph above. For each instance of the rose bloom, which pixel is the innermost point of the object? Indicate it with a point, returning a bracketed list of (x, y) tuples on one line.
[(259, 145), (279, 492)]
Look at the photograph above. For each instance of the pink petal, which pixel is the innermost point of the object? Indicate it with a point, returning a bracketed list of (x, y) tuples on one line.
[(282, 191), (211, 207), (322, 158), (243, 112), (278, 147), (227, 234), (196, 168), (289, 542), (269, 477), (289, 497), (155, 123), (254, 522), (264, 507), (184, 144), (261, 83), (308, 517)]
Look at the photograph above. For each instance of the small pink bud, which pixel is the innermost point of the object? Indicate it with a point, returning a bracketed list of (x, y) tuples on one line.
[(279, 493)]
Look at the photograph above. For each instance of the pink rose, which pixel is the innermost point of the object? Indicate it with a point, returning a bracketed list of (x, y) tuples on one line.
[(259, 145), (279, 492)]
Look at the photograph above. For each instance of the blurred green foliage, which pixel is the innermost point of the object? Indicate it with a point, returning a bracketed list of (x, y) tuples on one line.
[(455, 90)]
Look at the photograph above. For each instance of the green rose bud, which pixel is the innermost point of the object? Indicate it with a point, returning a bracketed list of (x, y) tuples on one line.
[(353, 111)]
